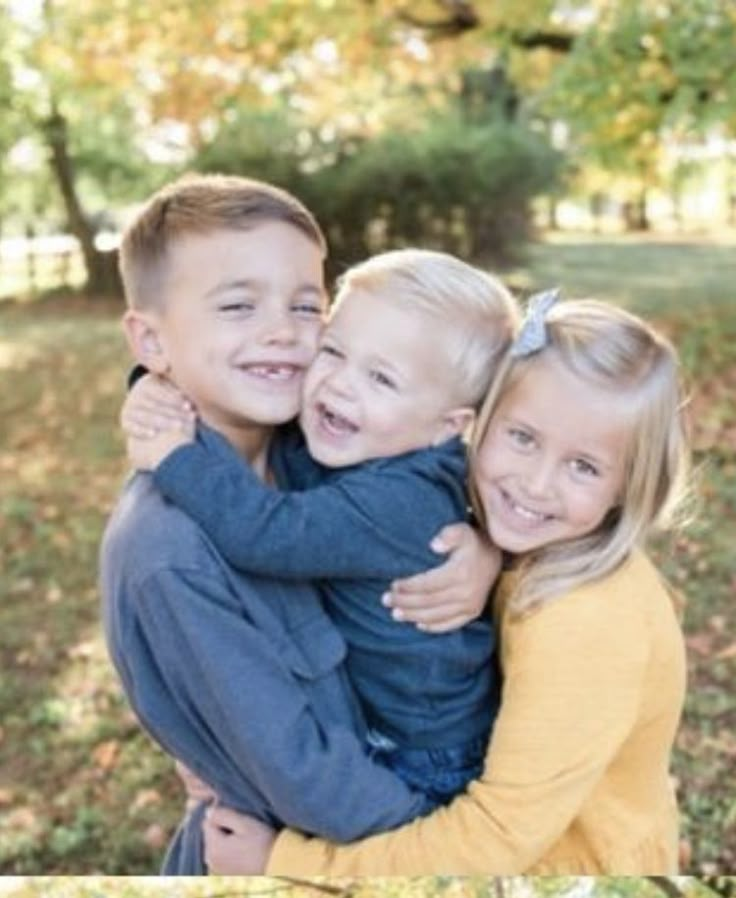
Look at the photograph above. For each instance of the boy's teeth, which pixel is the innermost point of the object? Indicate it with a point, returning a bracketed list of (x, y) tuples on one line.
[(274, 372)]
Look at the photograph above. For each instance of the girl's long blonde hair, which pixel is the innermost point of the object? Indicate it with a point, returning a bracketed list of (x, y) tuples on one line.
[(605, 345)]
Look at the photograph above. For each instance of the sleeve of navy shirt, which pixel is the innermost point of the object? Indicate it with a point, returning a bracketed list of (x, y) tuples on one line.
[(374, 520), (256, 709)]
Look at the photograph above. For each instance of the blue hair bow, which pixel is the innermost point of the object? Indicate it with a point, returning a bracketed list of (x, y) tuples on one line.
[(533, 334)]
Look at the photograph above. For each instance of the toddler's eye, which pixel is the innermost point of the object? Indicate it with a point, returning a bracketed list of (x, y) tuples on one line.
[(328, 349), (382, 379), (308, 308)]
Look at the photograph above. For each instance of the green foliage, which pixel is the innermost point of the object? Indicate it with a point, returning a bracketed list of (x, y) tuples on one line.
[(643, 72), (452, 184), (271, 144), (464, 187)]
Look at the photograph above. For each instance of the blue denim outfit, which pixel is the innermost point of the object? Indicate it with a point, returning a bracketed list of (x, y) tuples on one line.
[(356, 529), (241, 677), (439, 773)]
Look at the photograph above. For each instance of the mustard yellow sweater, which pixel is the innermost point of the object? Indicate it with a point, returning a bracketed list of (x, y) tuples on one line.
[(576, 775)]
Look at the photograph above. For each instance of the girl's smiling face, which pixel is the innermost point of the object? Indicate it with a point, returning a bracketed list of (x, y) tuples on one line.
[(552, 462)]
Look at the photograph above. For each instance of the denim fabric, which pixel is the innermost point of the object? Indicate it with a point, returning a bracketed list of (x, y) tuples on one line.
[(240, 677), (355, 530), (440, 773)]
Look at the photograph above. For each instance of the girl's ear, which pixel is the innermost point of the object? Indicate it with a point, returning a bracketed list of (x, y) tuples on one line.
[(142, 330), (454, 423)]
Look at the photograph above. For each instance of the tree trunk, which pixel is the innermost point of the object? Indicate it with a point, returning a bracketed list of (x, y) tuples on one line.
[(642, 212), (102, 273), (670, 888)]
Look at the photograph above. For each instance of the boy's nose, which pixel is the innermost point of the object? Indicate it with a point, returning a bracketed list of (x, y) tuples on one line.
[(280, 329)]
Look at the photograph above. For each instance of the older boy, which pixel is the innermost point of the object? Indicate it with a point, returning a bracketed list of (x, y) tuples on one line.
[(405, 359), (239, 677)]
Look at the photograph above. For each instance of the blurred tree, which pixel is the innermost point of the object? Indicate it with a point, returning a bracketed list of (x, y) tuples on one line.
[(123, 94), (644, 73)]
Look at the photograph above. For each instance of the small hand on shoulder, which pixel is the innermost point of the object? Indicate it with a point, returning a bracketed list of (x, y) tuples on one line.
[(236, 843), (156, 418), (455, 593)]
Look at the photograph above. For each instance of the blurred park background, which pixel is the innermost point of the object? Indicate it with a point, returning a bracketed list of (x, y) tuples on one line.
[(587, 143)]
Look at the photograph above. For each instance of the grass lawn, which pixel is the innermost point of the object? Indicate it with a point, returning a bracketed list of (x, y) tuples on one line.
[(82, 790)]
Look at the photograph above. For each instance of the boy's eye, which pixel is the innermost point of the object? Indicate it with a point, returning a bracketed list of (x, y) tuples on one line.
[(584, 467), (237, 306), (382, 379)]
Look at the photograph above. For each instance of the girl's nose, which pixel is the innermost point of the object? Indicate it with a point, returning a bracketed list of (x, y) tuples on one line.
[(540, 479)]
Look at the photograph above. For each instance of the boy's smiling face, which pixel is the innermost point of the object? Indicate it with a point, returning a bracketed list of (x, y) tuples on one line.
[(240, 320), (380, 384)]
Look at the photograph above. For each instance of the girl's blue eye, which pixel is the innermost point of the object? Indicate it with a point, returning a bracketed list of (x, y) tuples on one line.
[(584, 467), (520, 437)]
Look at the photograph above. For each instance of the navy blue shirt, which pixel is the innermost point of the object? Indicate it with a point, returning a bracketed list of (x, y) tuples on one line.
[(356, 529), (239, 676)]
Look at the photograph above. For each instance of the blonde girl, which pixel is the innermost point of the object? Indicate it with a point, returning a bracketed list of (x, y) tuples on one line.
[(579, 453)]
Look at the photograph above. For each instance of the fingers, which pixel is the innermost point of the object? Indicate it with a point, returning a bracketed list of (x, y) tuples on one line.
[(160, 391), (447, 624), (451, 537), (439, 618), (436, 580), (153, 405), (430, 614), (144, 422)]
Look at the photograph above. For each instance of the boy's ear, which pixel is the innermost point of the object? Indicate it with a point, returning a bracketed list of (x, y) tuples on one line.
[(144, 339), (455, 423)]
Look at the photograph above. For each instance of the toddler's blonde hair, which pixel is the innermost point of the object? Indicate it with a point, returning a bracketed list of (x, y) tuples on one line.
[(472, 309)]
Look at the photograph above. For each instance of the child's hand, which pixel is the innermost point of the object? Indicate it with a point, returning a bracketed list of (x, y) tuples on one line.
[(157, 418), (452, 595), (235, 843), (152, 405), (147, 454)]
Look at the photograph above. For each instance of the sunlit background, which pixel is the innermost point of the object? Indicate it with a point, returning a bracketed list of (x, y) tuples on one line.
[(588, 144)]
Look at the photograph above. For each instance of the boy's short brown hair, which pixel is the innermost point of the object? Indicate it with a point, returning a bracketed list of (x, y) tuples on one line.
[(198, 205)]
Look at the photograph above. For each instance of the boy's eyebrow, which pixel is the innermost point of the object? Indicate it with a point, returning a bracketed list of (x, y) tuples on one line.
[(223, 286), (249, 284)]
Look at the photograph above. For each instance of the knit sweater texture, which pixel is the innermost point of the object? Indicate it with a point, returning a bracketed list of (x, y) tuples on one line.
[(576, 776)]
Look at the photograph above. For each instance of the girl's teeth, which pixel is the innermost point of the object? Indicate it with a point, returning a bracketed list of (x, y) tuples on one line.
[(527, 512)]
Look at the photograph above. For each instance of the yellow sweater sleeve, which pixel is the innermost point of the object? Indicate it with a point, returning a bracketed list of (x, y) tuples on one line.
[(572, 681)]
